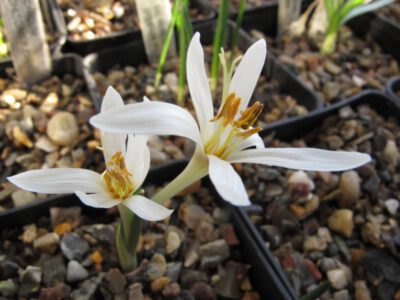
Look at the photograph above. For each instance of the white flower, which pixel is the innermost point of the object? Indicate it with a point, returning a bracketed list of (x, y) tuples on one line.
[(127, 163), (223, 138)]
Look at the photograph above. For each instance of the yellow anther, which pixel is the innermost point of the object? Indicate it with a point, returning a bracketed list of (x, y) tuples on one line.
[(249, 116), (249, 132), (225, 138), (229, 109), (117, 177)]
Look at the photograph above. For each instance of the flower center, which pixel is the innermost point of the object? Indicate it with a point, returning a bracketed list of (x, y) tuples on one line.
[(117, 177), (229, 131)]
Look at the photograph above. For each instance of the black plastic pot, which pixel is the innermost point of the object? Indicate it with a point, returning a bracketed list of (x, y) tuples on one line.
[(268, 13), (84, 47), (393, 88), (385, 32), (266, 280), (133, 54), (296, 128)]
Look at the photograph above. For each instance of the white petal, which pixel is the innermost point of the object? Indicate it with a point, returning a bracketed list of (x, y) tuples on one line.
[(138, 158), (253, 141), (227, 181), (100, 200), (112, 142), (246, 75), (59, 181), (309, 159), (147, 209), (111, 99), (198, 82), (149, 118)]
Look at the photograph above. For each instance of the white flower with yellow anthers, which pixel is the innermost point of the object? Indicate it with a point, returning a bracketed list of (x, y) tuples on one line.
[(225, 138), (127, 163)]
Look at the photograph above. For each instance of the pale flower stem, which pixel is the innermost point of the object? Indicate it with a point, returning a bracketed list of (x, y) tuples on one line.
[(195, 170), (127, 236)]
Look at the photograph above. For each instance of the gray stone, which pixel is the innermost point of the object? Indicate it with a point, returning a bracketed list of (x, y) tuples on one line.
[(73, 247), (216, 248), (31, 275), (101, 232), (53, 270), (157, 267), (88, 288), (173, 271), (8, 288), (75, 272), (210, 262)]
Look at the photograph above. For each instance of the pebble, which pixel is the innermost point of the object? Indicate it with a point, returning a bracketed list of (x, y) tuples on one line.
[(70, 214), (135, 291), (172, 290), (371, 233), (87, 289), (361, 291), (173, 270), (228, 286), (159, 284), (173, 242), (205, 232), (203, 291), (75, 272), (73, 246), (171, 80), (31, 275), (22, 197), (9, 268), (350, 188), (45, 144), (157, 267), (338, 278), (59, 291), (47, 243), (216, 248), (392, 205), (313, 243), (53, 270), (391, 153), (50, 103), (300, 184), (22, 137), (8, 288), (342, 221), (192, 215), (116, 281), (29, 234), (63, 129), (327, 264), (341, 295)]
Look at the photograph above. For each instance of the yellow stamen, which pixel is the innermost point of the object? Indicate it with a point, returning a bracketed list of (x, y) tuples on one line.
[(249, 116), (247, 133), (228, 109), (117, 177)]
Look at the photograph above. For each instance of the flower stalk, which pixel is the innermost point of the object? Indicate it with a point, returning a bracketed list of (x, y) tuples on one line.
[(127, 237), (195, 170)]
